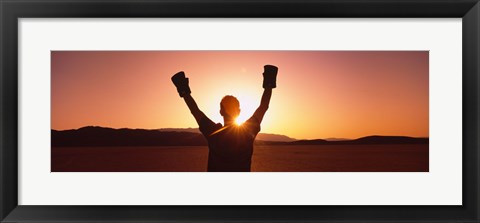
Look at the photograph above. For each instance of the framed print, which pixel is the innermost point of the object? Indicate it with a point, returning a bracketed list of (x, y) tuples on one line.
[(306, 161), (239, 111)]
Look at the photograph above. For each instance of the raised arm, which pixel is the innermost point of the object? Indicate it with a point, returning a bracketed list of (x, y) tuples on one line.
[(262, 109), (269, 82), (181, 82), (192, 105)]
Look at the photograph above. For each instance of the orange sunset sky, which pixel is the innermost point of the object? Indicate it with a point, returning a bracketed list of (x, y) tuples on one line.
[(319, 94)]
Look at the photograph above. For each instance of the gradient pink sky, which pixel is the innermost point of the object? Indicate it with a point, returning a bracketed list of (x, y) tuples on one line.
[(320, 94)]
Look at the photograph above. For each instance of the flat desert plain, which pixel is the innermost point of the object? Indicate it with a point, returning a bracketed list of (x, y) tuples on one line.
[(281, 158)]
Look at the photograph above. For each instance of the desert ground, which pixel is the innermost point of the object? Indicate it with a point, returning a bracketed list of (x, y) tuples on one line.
[(303, 158)]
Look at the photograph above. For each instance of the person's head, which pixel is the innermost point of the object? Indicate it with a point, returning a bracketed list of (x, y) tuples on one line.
[(230, 107)]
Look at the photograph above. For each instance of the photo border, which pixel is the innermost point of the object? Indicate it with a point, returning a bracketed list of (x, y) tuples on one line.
[(11, 11)]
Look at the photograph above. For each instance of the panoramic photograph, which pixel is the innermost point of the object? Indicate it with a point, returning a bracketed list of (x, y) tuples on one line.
[(240, 111)]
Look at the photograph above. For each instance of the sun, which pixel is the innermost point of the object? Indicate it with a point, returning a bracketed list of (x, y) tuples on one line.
[(238, 122), (248, 105)]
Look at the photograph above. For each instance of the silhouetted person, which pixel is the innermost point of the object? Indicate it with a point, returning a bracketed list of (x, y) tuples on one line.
[(230, 146)]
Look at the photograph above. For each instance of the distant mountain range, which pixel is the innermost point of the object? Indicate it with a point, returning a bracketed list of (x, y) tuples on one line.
[(101, 136), (260, 136)]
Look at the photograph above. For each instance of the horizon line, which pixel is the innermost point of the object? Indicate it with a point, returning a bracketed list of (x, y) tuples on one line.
[(342, 138)]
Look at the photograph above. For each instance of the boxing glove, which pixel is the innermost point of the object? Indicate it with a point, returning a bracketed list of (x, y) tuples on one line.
[(270, 76), (181, 82)]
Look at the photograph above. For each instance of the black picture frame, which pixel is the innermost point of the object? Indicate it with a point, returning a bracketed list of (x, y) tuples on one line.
[(12, 10)]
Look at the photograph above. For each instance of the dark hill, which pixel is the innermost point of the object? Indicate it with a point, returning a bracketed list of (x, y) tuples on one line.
[(100, 136), (310, 142), (389, 140), (368, 140)]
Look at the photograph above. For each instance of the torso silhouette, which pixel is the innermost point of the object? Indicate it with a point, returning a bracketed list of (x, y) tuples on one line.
[(230, 147)]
